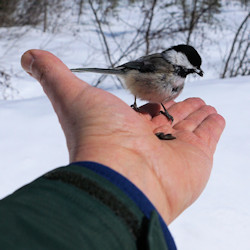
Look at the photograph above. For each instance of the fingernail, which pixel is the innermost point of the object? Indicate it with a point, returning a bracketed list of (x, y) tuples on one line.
[(26, 61)]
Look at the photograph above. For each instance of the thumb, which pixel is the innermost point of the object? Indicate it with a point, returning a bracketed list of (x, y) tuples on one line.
[(58, 82)]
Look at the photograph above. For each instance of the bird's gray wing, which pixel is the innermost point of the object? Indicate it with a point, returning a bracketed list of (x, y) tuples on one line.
[(146, 64)]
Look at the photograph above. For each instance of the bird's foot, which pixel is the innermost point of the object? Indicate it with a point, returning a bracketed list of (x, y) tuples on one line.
[(165, 112), (163, 136), (135, 107)]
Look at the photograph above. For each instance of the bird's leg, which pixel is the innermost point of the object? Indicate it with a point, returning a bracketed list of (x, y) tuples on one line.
[(161, 135), (165, 112), (134, 106)]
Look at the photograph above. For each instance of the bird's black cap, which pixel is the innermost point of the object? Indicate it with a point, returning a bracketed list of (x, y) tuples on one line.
[(191, 53)]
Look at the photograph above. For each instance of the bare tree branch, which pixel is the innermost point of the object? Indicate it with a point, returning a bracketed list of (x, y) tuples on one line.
[(101, 32), (151, 15), (233, 45), (241, 61)]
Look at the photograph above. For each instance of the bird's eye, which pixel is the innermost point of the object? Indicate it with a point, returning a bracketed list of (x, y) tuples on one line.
[(183, 72)]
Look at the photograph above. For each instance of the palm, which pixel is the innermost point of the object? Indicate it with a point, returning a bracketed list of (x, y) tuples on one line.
[(110, 118)]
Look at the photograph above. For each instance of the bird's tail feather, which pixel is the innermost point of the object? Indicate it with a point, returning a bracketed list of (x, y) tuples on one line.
[(98, 70)]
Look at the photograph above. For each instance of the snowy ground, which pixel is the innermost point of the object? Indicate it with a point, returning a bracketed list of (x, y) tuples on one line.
[(32, 143)]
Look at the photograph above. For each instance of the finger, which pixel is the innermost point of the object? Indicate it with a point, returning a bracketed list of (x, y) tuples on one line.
[(56, 79), (210, 130), (194, 119)]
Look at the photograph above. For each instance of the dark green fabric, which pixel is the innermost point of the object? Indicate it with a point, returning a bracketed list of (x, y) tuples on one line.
[(155, 236), (65, 209)]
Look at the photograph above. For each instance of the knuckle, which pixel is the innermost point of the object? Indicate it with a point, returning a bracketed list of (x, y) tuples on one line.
[(209, 109), (195, 101), (43, 71), (218, 119)]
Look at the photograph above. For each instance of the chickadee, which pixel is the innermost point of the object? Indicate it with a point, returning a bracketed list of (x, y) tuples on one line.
[(158, 77)]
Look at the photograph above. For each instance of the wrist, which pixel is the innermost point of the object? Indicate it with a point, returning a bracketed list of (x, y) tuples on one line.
[(130, 164)]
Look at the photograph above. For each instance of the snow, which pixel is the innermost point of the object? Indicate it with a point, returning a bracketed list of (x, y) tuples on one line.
[(32, 142)]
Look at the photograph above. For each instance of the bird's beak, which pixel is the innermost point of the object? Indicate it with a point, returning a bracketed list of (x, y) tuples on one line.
[(199, 72)]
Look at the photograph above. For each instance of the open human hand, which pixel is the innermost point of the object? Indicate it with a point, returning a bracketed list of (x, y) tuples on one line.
[(100, 127)]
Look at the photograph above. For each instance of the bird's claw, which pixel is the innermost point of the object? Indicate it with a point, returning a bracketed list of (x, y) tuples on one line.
[(170, 117), (134, 107), (165, 112)]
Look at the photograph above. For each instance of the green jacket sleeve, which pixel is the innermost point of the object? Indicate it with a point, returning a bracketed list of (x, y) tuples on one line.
[(74, 207)]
